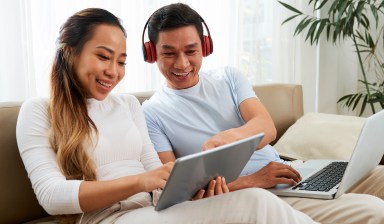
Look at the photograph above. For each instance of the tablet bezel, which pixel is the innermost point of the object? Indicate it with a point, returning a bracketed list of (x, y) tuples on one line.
[(193, 172)]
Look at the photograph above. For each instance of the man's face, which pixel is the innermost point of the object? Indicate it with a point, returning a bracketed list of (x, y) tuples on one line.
[(179, 56)]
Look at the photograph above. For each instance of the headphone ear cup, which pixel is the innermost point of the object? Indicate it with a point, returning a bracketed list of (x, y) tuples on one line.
[(149, 52), (207, 46)]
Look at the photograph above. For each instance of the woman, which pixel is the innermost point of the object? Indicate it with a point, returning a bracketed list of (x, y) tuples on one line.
[(88, 153)]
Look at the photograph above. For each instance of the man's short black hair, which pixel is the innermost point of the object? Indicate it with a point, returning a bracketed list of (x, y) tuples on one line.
[(171, 17)]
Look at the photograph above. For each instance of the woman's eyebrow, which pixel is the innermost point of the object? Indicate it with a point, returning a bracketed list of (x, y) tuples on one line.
[(110, 50)]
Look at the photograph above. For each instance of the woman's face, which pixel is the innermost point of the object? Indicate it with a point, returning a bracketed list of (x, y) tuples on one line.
[(101, 63)]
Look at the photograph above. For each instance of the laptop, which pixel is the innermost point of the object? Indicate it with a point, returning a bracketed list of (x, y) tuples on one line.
[(343, 174), (193, 172)]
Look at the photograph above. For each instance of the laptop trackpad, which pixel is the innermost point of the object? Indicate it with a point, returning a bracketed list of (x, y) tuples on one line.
[(306, 172)]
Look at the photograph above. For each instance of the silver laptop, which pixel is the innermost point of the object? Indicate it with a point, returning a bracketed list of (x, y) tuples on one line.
[(367, 154), (193, 172)]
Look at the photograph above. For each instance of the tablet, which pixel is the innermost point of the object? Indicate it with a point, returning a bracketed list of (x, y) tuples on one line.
[(193, 172)]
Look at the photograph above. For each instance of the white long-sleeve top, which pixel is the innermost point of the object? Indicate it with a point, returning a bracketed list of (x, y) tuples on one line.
[(123, 148)]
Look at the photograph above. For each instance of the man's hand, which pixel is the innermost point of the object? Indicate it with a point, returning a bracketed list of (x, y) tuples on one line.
[(223, 138), (270, 175), (215, 187)]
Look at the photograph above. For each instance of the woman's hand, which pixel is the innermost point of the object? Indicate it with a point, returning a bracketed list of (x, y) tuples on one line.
[(155, 178), (215, 187)]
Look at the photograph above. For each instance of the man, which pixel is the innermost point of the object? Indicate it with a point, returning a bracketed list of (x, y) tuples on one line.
[(199, 110)]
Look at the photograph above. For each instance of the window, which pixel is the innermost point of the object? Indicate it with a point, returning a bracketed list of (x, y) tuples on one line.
[(246, 34)]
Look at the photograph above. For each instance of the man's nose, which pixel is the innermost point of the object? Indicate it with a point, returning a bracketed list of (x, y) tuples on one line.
[(182, 61)]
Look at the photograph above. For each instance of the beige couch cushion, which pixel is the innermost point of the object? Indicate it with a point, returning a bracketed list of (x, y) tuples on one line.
[(321, 136), (284, 102)]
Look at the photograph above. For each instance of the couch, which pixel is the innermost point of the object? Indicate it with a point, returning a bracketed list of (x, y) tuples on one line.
[(18, 202)]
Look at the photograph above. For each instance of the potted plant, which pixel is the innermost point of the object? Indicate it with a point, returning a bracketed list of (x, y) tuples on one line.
[(358, 20)]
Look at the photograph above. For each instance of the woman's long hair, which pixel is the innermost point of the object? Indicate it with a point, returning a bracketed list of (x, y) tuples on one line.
[(71, 127)]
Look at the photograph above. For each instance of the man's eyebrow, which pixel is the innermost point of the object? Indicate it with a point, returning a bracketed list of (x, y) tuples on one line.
[(110, 50), (169, 47)]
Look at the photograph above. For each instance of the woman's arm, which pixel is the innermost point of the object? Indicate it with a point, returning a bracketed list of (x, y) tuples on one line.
[(149, 157), (97, 194), (54, 193)]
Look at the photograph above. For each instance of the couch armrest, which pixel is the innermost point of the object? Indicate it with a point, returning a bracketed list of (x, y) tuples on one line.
[(18, 201), (284, 102)]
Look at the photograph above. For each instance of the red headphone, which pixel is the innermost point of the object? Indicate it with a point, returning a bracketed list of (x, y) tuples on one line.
[(149, 50)]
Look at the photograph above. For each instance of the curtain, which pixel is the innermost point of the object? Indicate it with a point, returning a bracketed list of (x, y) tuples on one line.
[(246, 34)]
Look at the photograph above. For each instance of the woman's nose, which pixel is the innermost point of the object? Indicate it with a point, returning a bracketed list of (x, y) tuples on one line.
[(111, 70)]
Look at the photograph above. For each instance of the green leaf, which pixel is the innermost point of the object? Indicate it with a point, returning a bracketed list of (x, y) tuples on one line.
[(314, 4), (321, 4), (370, 41), (365, 21), (310, 1), (290, 18), (351, 100), (346, 97), (335, 34), (320, 29), (375, 15), (349, 27), (357, 100), (350, 12), (381, 5), (342, 8), (333, 7), (290, 7), (359, 9), (359, 36), (340, 30), (302, 25), (328, 31), (362, 109), (367, 38), (312, 30), (348, 102)]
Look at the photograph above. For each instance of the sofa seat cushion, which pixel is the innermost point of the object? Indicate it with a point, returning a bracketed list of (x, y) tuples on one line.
[(321, 136), (46, 220)]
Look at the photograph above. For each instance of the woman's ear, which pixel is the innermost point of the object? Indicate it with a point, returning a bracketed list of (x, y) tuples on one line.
[(67, 53)]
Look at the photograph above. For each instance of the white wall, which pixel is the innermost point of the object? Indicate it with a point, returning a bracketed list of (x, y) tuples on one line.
[(11, 61)]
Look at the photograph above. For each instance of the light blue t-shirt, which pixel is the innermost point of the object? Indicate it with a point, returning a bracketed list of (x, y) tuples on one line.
[(182, 120)]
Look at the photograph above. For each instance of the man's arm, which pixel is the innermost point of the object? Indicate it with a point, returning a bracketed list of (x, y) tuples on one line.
[(257, 120), (167, 156)]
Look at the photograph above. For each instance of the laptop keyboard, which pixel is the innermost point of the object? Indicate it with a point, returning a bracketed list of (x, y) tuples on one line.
[(325, 179)]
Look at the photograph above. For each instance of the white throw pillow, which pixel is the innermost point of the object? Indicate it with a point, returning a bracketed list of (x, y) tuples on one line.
[(321, 136)]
